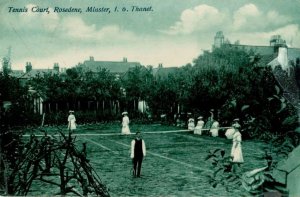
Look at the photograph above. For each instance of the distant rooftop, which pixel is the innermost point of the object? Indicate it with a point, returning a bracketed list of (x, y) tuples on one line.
[(262, 50), (35, 72), (16, 73), (163, 72), (112, 66)]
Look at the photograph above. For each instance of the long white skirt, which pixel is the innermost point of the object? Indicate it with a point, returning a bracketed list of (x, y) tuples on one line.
[(237, 153), (125, 129), (72, 125), (214, 132), (191, 126), (198, 130)]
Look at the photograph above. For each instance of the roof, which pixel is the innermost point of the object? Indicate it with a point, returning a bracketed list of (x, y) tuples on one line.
[(292, 162), (269, 51), (274, 63), (164, 71), (262, 50), (112, 66), (293, 53), (285, 76), (267, 59), (35, 72), (16, 73), (285, 167)]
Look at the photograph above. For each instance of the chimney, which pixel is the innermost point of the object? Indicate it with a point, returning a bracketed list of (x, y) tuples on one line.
[(282, 57), (218, 40), (91, 58), (125, 59), (160, 65), (56, 67), (28, 67)]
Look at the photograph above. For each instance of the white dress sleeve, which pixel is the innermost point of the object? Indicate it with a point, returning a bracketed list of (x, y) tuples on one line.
[(239, 138), (144, 148), (132, 149)]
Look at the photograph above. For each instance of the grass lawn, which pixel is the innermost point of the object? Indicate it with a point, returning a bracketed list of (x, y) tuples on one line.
[(174, 164)]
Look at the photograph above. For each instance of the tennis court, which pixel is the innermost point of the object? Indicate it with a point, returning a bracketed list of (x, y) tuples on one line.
[(174, 164)]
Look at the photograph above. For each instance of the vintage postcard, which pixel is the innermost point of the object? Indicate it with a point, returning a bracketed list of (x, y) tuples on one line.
[(149, 97)]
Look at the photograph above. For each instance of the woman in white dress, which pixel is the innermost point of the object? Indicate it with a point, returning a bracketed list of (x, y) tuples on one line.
[(125, 124), (71, 121), (236, 150), (199, 126), (191, 124), (214, 130)]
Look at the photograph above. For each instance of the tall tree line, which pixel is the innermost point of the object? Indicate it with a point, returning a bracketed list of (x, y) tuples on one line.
[(233, 81)]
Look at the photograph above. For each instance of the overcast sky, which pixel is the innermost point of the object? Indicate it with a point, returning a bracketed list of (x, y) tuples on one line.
[(174, 33)]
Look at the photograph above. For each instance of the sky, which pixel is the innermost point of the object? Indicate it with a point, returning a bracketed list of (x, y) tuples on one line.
[(172, 33)]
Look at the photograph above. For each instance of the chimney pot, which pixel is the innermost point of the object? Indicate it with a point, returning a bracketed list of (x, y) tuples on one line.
[(28, 67), (283, 57)]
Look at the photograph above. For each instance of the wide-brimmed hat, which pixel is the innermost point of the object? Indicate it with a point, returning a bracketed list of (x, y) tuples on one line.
[(71, 111), (125, 113), (236, 119), (200, 117)]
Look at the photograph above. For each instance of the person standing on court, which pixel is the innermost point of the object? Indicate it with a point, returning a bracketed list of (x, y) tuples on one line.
[(71, 121), (138, 152), (199, 126), (210, 120), (125, 124), (236, 150), (214, 129), (191, 124)]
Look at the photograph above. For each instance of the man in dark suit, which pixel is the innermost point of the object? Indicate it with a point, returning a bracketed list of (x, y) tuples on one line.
[(138, 152)]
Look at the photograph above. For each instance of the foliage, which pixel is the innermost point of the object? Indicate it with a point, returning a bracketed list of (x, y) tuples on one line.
[(10, 90), (75, 85), (82, 117), (268, 117), (281, 146), (163, 96), (55, 161), (256, 181), (260, 180), (138, 85), (229, 79), (223, 173)]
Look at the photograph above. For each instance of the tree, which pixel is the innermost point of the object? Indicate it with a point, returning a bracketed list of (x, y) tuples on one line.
[(138, 82)]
